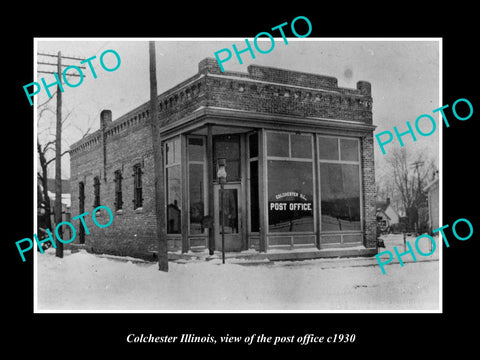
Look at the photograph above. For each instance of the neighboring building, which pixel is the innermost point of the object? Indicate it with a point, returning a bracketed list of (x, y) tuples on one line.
[(66, 196), (66, 199), (433, 197), (299, 162), (386, 215)]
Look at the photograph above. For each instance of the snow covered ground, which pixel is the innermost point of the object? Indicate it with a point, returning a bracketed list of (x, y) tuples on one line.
[(86, 282)]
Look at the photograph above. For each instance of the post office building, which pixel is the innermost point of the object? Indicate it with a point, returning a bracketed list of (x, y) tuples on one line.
[(292, 151)]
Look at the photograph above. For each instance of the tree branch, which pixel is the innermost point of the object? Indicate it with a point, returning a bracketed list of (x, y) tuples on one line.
[(53, 159), (50, 98)]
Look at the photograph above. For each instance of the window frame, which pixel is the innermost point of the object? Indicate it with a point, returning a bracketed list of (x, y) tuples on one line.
[(290, 158), (205, 181), (96, 191), (176, 162), (339, 161), (118, 190), (137, 178)]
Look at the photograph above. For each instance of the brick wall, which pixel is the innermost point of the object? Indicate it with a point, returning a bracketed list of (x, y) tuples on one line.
[(369, 192), (133, 231)]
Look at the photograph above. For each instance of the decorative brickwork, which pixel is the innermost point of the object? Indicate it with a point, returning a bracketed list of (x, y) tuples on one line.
[(121, 144)]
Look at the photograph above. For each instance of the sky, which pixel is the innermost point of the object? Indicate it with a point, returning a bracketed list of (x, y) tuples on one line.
[(404, 73)]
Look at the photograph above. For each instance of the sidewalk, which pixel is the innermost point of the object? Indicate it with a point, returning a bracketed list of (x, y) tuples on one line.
[(324, 258)]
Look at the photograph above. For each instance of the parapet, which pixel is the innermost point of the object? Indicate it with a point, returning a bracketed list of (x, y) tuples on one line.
[(289, 77), (261, 89)]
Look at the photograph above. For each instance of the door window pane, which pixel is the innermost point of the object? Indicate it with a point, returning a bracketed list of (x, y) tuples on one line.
[(328, 148), (290, 196), (277, 144), (229, 211), (227, 147)]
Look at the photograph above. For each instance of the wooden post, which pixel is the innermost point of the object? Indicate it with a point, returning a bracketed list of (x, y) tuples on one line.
[(58, 161), (158, 164)]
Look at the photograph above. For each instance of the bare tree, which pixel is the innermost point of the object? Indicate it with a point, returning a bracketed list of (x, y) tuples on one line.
[(46, 152), (409, 173)]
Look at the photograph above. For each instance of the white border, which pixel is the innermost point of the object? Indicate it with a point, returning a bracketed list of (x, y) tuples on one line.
[(411, 39)]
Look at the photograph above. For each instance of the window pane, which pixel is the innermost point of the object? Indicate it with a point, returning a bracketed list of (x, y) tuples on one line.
[(253, 145), (328, 148), (229, 211), (172, 149), (195, 149), (349, 149), (254, 205), (169, 152), (173, 200), (137, 195), (227, 147), (301, 146), (340, 196), (277, 144), (196, 188), (290, 196)]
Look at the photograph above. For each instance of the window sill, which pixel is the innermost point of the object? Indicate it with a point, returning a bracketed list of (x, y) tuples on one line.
[(119, 212), (139, 210)]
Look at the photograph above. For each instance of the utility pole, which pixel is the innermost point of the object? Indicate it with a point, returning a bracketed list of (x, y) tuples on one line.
[(158, 164), (58, 162), (58, 147), (418, 192)]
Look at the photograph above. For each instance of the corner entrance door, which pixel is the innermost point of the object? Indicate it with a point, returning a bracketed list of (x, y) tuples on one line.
[(230, 213)]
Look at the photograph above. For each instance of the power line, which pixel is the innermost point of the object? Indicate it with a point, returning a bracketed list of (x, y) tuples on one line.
[(63, 57), (55, 64), (52, 72), (58, 137)]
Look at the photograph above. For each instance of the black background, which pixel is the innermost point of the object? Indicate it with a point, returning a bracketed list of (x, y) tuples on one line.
[(381, 334)]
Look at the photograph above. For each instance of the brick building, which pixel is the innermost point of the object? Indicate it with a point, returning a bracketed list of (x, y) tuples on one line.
[(299, 162)]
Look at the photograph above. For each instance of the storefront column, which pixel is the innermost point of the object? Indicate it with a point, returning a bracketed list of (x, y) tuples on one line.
[(316, 193), (211, 231), (262, 191), (186, 211)]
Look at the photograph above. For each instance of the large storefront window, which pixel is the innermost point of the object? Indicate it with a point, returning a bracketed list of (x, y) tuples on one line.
[(173, 175), (339, 183), (196, 183), (290, 183)]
